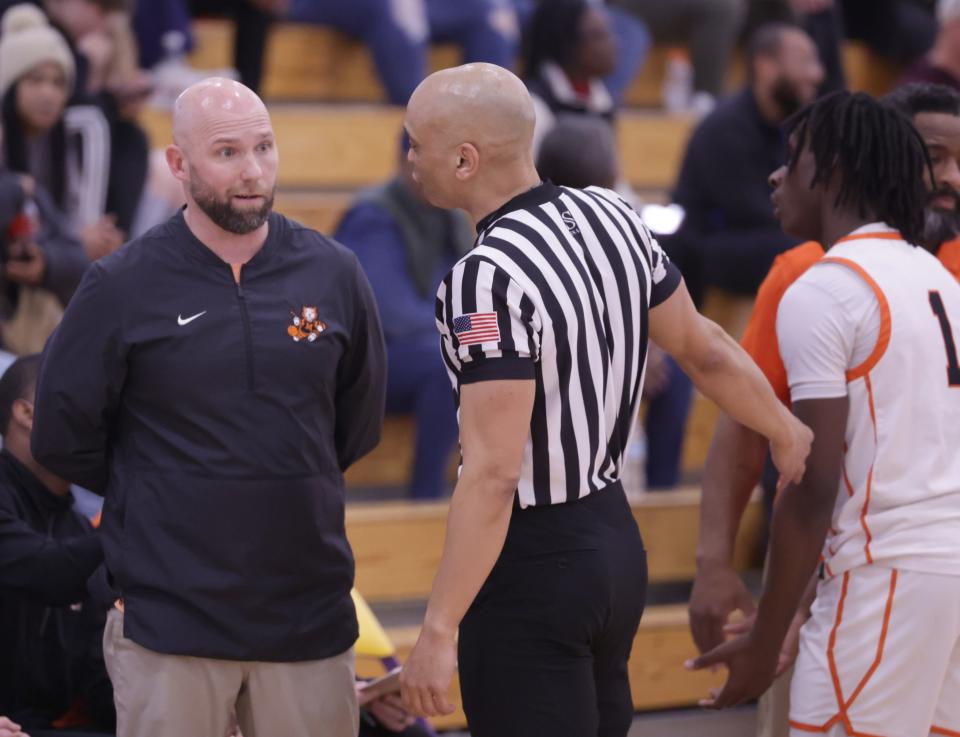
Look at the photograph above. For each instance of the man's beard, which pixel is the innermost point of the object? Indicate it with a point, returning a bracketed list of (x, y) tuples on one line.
[(941, 225), (786, 97), (224, 214)]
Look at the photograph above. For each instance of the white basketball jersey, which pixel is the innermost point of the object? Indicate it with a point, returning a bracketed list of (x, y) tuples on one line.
[(899, 497)]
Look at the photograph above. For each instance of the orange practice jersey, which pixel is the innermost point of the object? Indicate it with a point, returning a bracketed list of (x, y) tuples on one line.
[(760, 337)]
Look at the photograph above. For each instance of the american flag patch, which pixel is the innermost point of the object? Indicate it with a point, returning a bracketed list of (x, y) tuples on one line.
[(476, 327)]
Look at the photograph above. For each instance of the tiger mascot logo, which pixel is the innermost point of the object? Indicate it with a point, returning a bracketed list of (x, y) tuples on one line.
[(306, 326)]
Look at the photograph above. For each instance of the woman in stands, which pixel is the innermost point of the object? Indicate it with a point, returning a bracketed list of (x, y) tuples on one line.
[(65, 149), (569, 49)]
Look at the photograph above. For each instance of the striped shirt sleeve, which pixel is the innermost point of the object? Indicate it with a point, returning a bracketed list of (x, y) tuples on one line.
[(665, 275), (488, 325)]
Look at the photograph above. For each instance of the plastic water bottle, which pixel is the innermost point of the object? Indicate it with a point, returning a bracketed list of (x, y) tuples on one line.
[(677, 87), (634, 475)]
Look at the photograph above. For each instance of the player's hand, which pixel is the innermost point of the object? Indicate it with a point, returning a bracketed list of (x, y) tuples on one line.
[(790, 451), (791, 643), (751, 670), (390, 713), (428, 673), (10, 729), (717, 592)]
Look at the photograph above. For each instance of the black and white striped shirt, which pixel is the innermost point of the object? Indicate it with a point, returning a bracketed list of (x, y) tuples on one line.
[(558, 289)]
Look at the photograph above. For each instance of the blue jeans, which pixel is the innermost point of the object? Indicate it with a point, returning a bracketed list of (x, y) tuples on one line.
[(151, 20), (417, 383), (397, 33), (666, 428)]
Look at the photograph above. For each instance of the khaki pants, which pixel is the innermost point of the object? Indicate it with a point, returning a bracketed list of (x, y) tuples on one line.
[(160, 695), (773, 711)]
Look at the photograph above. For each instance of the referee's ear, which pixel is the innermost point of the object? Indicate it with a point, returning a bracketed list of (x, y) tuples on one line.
[(468, 161)]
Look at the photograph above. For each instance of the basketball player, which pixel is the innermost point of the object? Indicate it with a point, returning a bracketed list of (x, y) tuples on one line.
[(868, 341)]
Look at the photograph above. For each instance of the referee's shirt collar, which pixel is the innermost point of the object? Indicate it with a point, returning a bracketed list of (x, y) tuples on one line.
[(533, 197)]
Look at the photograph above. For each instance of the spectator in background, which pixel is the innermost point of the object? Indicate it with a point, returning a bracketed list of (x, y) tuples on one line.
[(252, 21), (730, 236), (405, 246), (942, 64), (821, 19), (569, 50), (50, 626), (399, 33), (632, 39), (899, 30), (108, 76), (42, 264), (65, 149), (164, 35), (579, 151), (708, 27)]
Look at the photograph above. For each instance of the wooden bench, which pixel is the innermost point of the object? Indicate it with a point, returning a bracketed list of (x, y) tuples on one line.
[(320, 210), (349, 146), (397, 545), (657, 677), (311, 63)]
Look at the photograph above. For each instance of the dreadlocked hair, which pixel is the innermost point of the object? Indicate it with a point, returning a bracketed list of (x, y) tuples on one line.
[(877, 153)]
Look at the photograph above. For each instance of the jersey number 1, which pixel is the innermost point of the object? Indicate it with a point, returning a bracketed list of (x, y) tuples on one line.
[(953, 368)]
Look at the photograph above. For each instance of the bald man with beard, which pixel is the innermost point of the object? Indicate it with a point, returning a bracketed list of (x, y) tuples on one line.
[(213, 379), (544, 329)]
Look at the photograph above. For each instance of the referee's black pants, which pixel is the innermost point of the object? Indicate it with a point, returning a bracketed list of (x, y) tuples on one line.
[(543, 649)]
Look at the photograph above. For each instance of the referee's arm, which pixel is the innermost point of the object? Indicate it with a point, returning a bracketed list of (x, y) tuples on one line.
[(725, 373), (494, 426)]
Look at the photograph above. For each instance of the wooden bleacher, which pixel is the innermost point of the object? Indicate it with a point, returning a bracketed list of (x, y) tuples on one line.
[(307, 63), (657, 677), (342, 147), (398, 547)]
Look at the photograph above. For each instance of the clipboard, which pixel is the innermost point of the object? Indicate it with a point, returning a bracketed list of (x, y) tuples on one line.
[(373, 690)]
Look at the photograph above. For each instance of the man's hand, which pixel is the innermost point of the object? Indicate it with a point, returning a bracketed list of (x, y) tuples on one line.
[(791, 643), (26, 264), (717, 592), (101, 237), (790, 450), (428, 673), (390, 713), (751, 671), (10, 729)]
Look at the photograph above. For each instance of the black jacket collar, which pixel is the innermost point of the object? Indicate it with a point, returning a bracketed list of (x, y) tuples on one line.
[(543, 192)]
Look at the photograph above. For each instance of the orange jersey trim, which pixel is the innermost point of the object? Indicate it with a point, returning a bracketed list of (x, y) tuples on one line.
[(887, 236), (949, 255), (883, 337), (946, 732), (827, 727), (844, 705), (760, 336)]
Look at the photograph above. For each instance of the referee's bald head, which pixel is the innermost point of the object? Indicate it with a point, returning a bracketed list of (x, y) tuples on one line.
[(466, 125)]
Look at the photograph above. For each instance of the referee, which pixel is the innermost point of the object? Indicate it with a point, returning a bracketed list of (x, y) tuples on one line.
[(544, 329)]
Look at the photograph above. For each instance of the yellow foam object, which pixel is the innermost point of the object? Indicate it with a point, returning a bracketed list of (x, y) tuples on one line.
[(373, 641)]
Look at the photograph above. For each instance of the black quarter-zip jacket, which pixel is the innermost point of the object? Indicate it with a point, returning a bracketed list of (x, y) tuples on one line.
[(220, 441)]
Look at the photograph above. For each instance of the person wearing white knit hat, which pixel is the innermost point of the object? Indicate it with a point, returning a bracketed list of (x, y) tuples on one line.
[(942, 64), (66, 149), (27, 40)]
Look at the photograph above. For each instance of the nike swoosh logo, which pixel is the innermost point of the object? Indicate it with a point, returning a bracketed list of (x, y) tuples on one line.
[(181, 321)]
